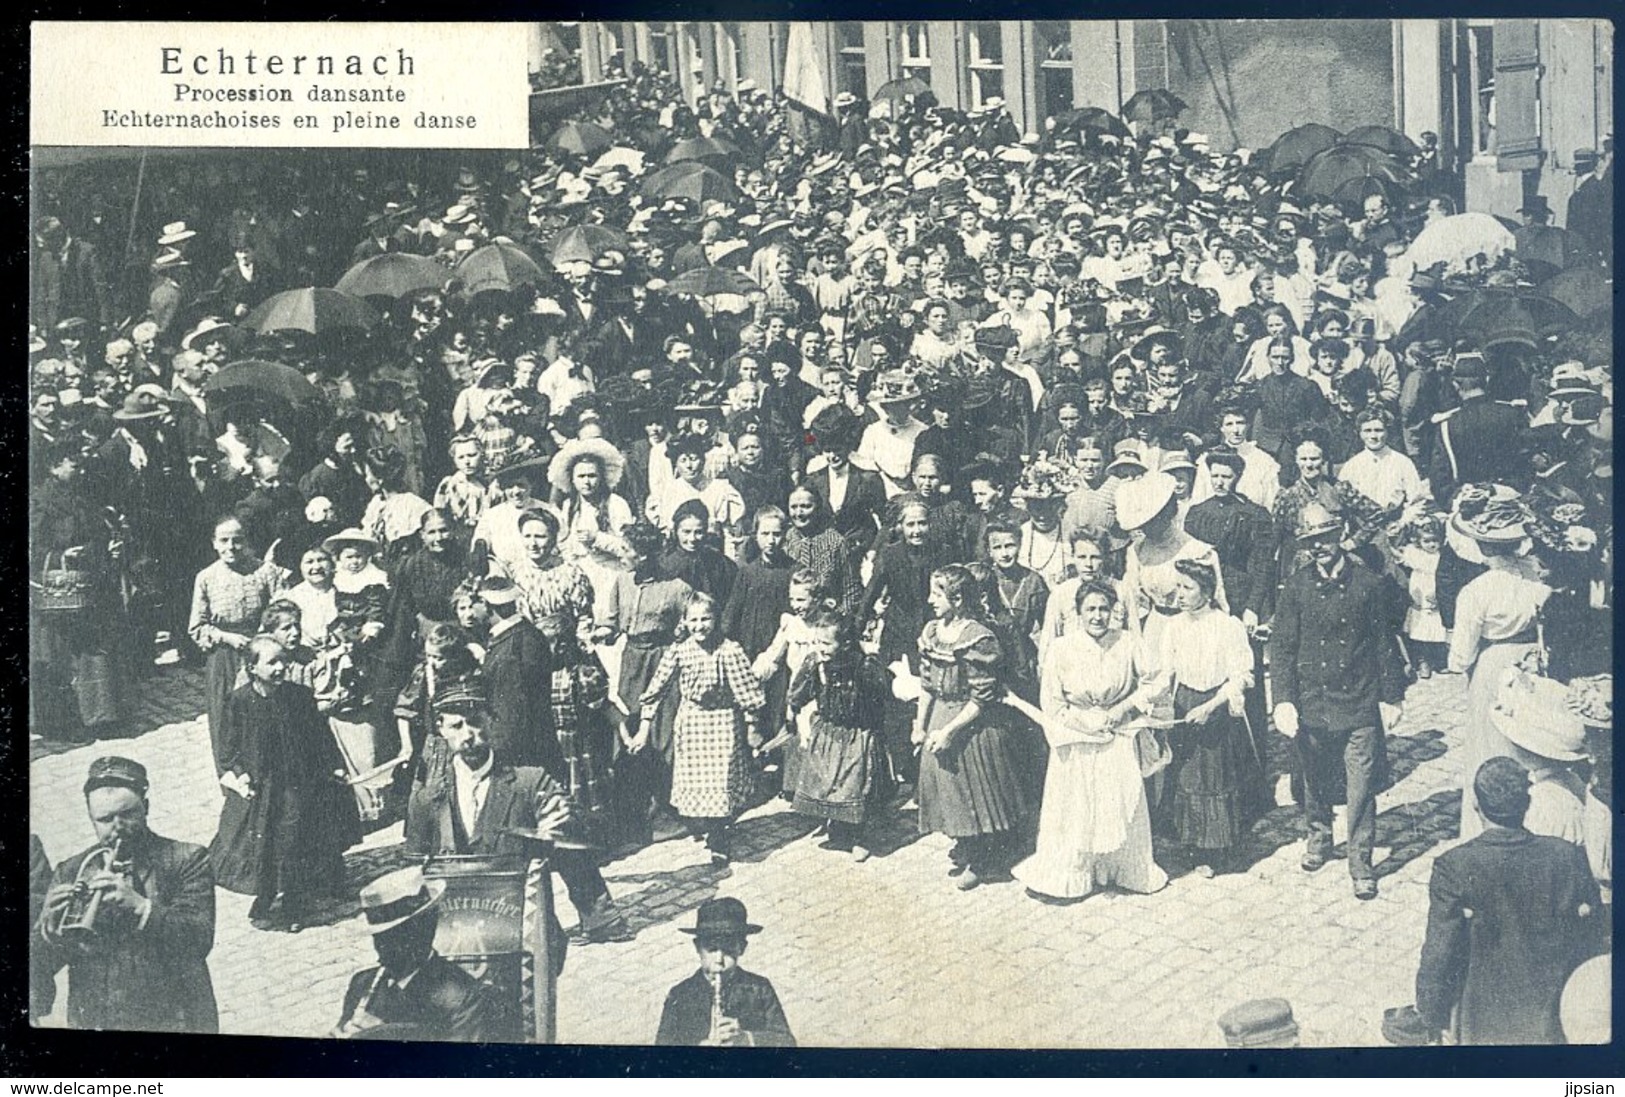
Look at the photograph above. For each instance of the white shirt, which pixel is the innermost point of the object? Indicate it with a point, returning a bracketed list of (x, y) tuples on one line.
[(891, 448), (473, 785), (560, 387), (838, 480), (1388, 478)]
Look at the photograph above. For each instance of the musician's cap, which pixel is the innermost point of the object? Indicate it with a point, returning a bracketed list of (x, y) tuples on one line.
[(1262, 1022), (398, 897), (721, 918), (116, 772), (498, 590), (462, 696)]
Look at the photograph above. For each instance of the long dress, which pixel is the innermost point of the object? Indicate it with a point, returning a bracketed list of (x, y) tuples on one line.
[(1150, 590), (291, 835), (1094, 829), (975, 787), (1216, 773), (841, 768), (1494, 629), (711, 775), (760, 596), (590, 538), (227, 600), (558, 599)]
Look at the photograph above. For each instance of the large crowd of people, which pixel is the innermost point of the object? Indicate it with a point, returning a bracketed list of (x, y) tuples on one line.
[(901, 460)]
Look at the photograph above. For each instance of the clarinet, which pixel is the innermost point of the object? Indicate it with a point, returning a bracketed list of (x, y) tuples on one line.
[(716, 1009)]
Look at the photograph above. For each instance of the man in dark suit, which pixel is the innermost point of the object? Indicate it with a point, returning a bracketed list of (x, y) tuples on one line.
[(1339, 684), (1481, 441), (722, 1004), (248, 281), (484, 799), (146, 965), (1510, 916), (67, 278), (857, 497), (413, 992)]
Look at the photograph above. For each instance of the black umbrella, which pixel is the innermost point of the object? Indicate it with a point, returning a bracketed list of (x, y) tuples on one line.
[(580, 139), (393, 274), (1152, 105), (1339, 173), (712, 281), (312, 309), (1090, 120), (1382, 137), (1294, 148), (1491, 315), (702, 150), (1556, 249), (255, 377), (499, 265), (1588, 290), (903, 87)]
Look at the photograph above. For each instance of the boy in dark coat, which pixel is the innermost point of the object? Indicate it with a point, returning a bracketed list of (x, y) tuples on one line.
[(722, 1004)]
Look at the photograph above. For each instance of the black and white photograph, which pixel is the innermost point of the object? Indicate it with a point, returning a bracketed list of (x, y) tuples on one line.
[(1032, 534)]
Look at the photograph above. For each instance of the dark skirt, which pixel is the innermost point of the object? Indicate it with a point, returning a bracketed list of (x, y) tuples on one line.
[(841, 772), (978, 786), (1210, 786), (224, 665), (285, 840)]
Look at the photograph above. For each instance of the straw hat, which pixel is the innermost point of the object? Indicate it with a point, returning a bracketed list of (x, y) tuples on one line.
[(174, 233), (398, 897), (351, 536), (1532, 712), (607, 456), (1142, 499)]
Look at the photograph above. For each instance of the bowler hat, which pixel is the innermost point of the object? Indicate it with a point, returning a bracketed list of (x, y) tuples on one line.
[(721, 918), (116, 772)]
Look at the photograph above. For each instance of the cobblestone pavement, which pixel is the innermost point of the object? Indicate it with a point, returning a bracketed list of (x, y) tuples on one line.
[(885, 953)]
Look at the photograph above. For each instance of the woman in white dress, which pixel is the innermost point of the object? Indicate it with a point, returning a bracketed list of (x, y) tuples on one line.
[(1094, 829), (584, 475), (1150, 577)]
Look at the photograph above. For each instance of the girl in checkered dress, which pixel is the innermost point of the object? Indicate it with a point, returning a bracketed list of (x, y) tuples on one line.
[(715, 728)]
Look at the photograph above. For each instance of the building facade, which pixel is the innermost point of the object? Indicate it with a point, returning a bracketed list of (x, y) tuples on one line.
[(1511, 100)]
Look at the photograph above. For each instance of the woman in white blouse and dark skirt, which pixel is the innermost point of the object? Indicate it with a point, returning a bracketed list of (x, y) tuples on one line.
[(1212, 786)]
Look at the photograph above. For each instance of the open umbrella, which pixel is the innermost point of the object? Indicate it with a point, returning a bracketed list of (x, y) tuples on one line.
[(701, 149), (1339, 173), (1293, 149), (1557, 249), (312, 309), (255, 377), (689, 180), (1382, 137), (1090, 120), (393, 274), (1488, 316), (584, 243), (1152, 105), (1456, 239), (579, 139), (904, 87), (712, 281), (501, 265), (1588, 290)]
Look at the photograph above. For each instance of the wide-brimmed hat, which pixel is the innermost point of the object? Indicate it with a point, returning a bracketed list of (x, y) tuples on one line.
[(894, 386), (174, 233), (1316, 520), (1533, 713), (136, 407), (351, 536), (211, 325), (1500, 521), (1142, 499), (169, 259), (397, 897), (721, 918), (1155, 334), (608, 457), (1127, 454)]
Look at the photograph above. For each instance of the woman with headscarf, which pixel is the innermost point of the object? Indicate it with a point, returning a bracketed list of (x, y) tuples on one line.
[(815, 544)]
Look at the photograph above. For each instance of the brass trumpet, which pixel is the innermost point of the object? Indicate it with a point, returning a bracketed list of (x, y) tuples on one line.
[(77, 920)]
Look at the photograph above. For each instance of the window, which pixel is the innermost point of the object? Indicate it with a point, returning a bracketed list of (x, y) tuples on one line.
[(661, 47), (854, 72), (1055, 66), (1481, 66), (986, 63), (916, 40)]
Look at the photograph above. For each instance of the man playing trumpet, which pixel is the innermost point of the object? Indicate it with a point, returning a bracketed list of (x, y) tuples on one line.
[(132, 918)]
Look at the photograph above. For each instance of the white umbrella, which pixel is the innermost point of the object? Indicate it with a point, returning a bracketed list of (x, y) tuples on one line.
[(618, 157), (1456, 239)]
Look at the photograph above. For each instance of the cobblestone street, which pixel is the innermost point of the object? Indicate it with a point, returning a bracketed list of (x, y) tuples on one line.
[(885, 953)]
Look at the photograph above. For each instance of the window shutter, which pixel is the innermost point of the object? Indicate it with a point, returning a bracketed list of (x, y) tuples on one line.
[(1517, 94)]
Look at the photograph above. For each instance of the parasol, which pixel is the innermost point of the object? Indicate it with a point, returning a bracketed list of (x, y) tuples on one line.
[(498, 266), (689, 180), (619, 157), (904, 87), (393, 274), (1152, 105), (1294, 148), (579, 139), (1090, 120), (1385, 138), (1557, 249), (1341, 172), (312, 309), (584, 243), (1456, 239), (1588, 290), (1485, 317), (255, 377), (701, 149), (711, 281)]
